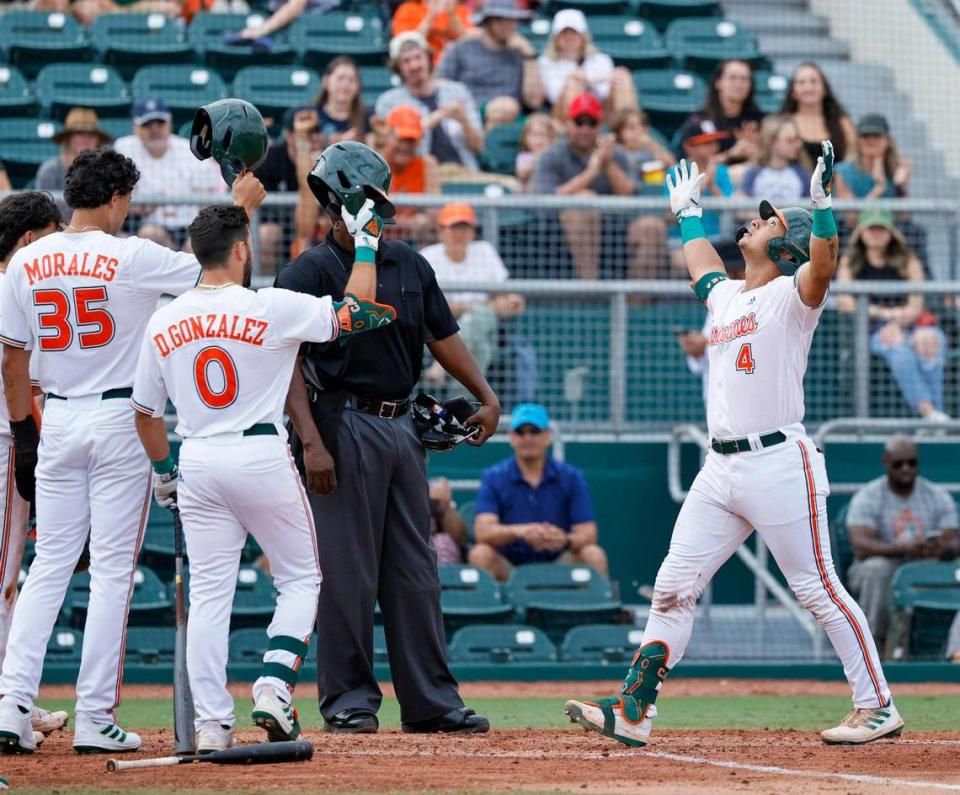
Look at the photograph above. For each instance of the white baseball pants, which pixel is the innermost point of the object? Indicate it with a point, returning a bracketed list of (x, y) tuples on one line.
[(14, 515), (92, 477), (782, 492), (234, 485)]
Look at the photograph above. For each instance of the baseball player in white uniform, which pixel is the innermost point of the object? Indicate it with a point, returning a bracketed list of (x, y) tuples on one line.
[(763, 472), (224, 355), (78, 302)]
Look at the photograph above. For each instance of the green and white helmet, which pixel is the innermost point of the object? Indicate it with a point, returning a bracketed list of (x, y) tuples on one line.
[(791, 250), (347, 174), (232, 132)]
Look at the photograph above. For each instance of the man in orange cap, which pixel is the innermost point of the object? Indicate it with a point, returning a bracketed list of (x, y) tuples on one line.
[(412, 172)]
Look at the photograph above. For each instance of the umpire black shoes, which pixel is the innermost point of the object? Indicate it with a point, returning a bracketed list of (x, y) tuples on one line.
[(353, 721), (460, 721)]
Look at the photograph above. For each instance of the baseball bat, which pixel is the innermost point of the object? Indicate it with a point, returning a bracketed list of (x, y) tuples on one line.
[(254, 754), (183, 732)]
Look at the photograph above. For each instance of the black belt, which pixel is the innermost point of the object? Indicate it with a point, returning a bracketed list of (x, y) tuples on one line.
[(110, 394), (729, 446), (385, 409), (262, 429)]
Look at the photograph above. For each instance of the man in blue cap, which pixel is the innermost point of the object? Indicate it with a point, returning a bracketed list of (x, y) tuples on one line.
[(532, 508)]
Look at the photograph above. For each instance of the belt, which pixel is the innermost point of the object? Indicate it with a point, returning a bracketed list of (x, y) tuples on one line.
[(110, 394), (385, 409), (262, 429), (729, 446)]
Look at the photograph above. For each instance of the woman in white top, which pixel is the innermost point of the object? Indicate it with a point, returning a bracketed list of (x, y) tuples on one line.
[(571, 65)]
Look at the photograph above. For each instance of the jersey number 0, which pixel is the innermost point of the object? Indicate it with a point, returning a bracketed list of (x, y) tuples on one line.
[(57, 318), (216, 358)]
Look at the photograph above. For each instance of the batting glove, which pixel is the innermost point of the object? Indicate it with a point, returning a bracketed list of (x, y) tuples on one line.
[(822, 176), (165, 488), (685, 190), (365, 227)]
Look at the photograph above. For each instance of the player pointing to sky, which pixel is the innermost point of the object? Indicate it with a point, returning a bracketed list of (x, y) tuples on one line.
[(762, 472)]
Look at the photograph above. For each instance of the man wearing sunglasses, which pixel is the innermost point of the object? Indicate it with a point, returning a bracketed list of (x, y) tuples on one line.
[(898, 517)]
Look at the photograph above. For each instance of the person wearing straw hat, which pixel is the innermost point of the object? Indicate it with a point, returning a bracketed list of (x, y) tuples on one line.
[(81, 130)]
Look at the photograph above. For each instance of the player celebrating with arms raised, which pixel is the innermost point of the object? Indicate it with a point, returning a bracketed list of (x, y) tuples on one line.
[(762, 470)]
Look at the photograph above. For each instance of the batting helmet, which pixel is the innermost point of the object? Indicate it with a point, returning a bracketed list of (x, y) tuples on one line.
[(348, 173), (795, 243), (232, 132)]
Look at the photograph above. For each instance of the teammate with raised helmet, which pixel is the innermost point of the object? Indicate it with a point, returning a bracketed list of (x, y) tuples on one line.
[(762, 472)]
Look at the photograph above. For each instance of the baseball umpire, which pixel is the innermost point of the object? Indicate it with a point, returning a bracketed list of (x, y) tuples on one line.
[(365, 464)]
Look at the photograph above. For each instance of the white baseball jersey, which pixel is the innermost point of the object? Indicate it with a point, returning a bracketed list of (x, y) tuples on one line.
[(757, 346), (80, 302), (224, 356)]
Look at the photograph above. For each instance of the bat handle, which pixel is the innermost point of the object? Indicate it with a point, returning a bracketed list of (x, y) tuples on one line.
[(115, 765)]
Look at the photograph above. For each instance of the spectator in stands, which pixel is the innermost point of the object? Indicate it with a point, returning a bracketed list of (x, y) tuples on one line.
[(498, 66), (876, 170), (310, 221), (88, 10), (585, 163), (533, 508), (897, 517), (449, 531), (571, 65), (903, 332), (818, 113), (452, 131), (776, 173), (412, 173), (440, 22), (282, 14), (732, 109), (342, 116), (81, 130), (167, 168), (539, 134), (647, 159)]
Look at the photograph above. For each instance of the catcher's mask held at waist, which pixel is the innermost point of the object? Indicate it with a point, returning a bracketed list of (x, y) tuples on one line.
[(442, 426)]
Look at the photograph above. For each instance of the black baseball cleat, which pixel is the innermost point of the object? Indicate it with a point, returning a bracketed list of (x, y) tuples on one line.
[(352, 721), (460, 721)]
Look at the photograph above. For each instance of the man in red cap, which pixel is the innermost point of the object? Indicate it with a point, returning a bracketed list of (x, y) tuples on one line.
[(584, 164)]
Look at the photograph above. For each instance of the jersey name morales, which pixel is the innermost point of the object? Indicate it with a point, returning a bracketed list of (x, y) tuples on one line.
[(741, 327), (82, 263), (249, 330)]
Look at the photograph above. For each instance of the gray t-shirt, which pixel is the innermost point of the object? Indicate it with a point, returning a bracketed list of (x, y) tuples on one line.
[(487, 73), (52, 174), (560, 164), (928, 511)]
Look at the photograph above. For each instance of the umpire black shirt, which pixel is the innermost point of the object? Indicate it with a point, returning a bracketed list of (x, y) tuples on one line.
[(385, 363)]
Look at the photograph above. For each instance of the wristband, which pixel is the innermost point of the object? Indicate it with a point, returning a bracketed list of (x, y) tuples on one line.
[(365, 254), (165, 466), (824, 224), (705, 284), (691, 228)]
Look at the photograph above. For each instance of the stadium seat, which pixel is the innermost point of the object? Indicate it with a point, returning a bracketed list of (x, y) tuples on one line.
[(62, 86), (467, 510), (589, 7), (183, 87), (501, 145), (150, 604), (318, 38), (254, 599), (33, 39), (16, 98), (64, 646), (926, 596), (375, 80), (157, 550), (669, 96), (117, 128), (511, 643), (662, 12), (537, 32), (558, 596), (769, 90), (701, 44), (380, 644), (273, 89), (470, 596), (206, 34), (150, 646), (247, 646), (24, 145), (630, 42), (128, 41), (840, 547), (601, 643)]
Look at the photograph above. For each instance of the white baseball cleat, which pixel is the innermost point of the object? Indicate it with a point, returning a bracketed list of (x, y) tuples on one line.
[(16, 733), (864, 726), (214, 736), (102, 738), (279, 720), (47, 722), (596, 716)]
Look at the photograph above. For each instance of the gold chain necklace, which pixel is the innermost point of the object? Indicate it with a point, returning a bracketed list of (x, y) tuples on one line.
[(72, 228), (203, 286)]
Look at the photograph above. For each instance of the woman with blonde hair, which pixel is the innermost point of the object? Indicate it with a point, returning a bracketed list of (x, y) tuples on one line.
[(902, 330), (876, 170), (776, 173)]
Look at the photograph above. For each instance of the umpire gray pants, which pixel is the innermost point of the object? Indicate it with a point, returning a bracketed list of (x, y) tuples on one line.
[(374, 541)]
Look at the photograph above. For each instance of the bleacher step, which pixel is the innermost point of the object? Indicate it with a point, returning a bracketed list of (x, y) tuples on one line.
[(808, 48), (779, 21)]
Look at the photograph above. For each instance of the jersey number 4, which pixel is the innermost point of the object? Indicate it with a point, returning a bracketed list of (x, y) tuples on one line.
[(215, 358), (56, 319), (745, 359)]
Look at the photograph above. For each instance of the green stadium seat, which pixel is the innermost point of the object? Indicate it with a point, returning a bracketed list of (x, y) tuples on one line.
[(926, 597), (183, 87), (470, 596), (64, 646), (273, 89), (254, 599), (206, 34), (128, 41), (380, 644), (157, 550), (840, 548), (62, 86), (150, 646), (467, 510), (537, 32), (375, 80), (32, 39), (701, 44), (117, 128), (589, 7), (318, 38), (559, 596), (247, 646), (669, 96), (150, 604), (16, 97), (511, 643), (501, 145), (24, 145), (662, 12), (601, 643), (769, 90), (631, 42)]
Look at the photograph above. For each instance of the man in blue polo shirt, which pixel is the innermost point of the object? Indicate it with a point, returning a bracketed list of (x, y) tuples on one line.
[(531, 508)]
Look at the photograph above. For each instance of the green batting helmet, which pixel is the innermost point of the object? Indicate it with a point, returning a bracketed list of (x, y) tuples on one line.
[(348, 173), (232, 132), (795, 243)]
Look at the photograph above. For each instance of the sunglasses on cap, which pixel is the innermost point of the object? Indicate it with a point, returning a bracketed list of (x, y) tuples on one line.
[(528, 430), (904, 462), (586, 121)]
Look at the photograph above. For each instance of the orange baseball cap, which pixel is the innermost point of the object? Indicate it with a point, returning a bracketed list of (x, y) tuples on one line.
[(404, 120), (457, 214)]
